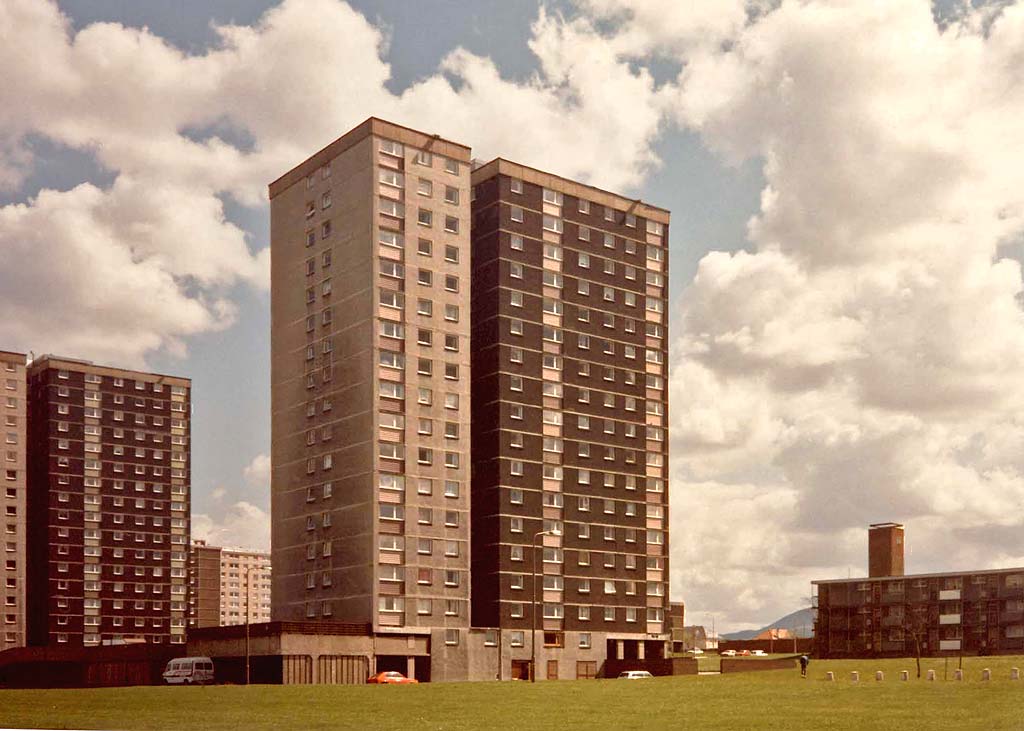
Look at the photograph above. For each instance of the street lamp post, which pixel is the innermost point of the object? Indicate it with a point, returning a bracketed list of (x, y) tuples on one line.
[(533, 612)]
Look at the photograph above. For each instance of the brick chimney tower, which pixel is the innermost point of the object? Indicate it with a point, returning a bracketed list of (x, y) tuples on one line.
[(885, 549)]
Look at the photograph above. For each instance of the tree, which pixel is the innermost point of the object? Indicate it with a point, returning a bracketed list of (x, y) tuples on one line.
[(915, 623)]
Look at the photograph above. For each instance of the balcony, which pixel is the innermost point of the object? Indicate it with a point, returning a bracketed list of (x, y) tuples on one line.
[(976, 593), (949, 595), (893, 597), (1012, 643), (949, 619), (1007, 617)]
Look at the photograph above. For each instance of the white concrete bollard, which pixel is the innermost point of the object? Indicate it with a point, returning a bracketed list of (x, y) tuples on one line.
[(904, 675), (1014, 673), (930, 675), (855, 676), (986, 674), (830, 676), (958, 674), (879, 675)]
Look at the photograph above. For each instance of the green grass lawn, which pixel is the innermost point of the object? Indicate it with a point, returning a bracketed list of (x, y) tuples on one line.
[(770, 699)]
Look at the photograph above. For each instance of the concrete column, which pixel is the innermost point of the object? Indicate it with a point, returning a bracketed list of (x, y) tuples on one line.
[(986, 674), (879, 675), (640, 649), (855, 676), (930, 675), (830, 676), (904, 674), (410, 667), (620, 649)]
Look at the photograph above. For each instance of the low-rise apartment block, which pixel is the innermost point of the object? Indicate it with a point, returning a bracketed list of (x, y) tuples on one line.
[(889, 614)]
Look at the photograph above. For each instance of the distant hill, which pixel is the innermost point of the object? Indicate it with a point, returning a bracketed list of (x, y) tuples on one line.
[(801, 621)]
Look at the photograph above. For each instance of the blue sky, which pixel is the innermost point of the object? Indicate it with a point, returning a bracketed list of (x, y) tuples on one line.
[(846, 334)]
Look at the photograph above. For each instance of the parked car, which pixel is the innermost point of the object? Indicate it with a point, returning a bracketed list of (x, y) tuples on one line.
[(189, 671), (634, 675), (759, 653), (696, 651), (728, 653), (391, 677), (744, 653)]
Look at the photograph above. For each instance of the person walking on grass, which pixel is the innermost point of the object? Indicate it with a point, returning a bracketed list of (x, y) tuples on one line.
[(803, 665)]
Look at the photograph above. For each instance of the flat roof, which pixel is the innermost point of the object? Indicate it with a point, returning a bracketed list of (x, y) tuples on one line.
[(369, 126), (500, 165), (14, 353), (54, 361), (941, 574)]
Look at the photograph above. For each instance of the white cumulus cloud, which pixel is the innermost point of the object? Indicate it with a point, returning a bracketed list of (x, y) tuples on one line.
[(242, 525), (864, 357)]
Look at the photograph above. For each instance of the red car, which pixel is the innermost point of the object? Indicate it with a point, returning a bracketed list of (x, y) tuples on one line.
[(390, 677), (744, 653)]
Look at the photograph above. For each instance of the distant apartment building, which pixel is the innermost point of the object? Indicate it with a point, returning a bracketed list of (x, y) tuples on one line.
[(569, 413), (244, 586), (889, 614), (677, 626), (203, 585), (108, 504), (13, 500), (226, 584), (370, 388)]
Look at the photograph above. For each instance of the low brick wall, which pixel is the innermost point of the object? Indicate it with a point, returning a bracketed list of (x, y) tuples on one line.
[(665, 666), (748, 665)]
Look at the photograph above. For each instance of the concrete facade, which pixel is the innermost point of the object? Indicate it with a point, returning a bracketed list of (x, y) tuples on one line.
[(226, 584), (370, 387), (13, 505), (245, 580)]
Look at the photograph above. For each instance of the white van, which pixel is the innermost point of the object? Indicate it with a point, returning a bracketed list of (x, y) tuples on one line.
[(189, 671)]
